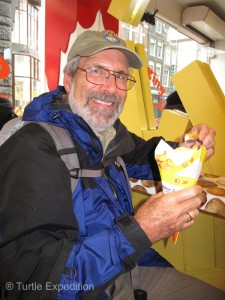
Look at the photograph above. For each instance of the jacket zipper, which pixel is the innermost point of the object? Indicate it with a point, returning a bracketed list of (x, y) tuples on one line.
[(114, 193)]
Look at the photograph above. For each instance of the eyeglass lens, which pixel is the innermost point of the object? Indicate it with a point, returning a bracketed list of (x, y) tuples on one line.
[(100, 76)]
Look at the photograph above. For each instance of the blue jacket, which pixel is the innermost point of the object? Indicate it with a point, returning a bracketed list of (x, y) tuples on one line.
[(98, 236)]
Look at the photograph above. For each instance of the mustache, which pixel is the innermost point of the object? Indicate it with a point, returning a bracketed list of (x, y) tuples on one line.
[(107, 98)]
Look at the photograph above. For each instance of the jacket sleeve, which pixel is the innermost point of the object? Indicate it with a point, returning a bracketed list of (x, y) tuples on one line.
[(39, 231)]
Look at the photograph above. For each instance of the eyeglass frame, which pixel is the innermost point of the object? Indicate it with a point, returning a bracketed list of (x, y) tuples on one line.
[(107, 78)]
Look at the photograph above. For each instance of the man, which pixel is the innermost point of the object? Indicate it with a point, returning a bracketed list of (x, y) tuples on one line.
[(86, 245)]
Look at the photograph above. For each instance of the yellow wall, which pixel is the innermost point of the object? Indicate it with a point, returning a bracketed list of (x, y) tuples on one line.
[(204, 102)]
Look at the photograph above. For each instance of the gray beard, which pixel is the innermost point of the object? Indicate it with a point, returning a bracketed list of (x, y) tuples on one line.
[(98, 119)]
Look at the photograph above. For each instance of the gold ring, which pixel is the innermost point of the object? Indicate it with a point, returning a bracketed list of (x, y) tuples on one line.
[(189, 217)]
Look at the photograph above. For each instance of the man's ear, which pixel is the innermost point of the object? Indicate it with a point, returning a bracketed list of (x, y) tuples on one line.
[(67, 81)]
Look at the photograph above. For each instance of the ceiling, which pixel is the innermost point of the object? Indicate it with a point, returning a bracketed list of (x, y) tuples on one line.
[(171, 12), (217, 6)]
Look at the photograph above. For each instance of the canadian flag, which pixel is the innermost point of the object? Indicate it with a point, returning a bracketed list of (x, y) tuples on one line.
[(62, 20)]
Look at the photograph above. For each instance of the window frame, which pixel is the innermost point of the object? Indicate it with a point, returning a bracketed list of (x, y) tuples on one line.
[(34, 76)]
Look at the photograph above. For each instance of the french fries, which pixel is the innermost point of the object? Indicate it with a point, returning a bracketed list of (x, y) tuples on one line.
[(192, 136), (179, 168), (164, 162)]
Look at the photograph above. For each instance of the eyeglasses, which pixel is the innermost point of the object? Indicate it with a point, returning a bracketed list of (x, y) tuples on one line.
[(98, 76)]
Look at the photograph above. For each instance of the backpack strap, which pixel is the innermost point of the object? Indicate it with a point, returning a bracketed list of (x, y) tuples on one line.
[(10, 128), (67, 151), (122, 164), (65, 148)]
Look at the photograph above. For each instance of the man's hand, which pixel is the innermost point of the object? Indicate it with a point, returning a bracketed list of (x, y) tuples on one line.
[(163, 214), (206, 137)]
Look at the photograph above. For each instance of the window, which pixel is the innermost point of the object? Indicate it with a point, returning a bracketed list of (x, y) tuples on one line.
[(32, 27), (26, 79), (158, 70), (152, 46), (25, 30), (22, 65), (129, 32), (26, 69), (137, 34), (160, 49), (125, 30), (166, 76), (167, 49), (151, 64), (158, 27)]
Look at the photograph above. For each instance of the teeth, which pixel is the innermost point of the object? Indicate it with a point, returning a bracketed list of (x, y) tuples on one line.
[(102, 102)]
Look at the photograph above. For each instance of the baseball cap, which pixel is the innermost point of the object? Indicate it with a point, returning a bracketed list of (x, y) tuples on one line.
[(90, 42)]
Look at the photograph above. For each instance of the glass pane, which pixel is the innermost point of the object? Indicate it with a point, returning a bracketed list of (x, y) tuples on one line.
[(159, 49), (36, 88), (36, 74), (125, 30), (29, 29), (152, 47), (22, 92), (32, 67), (33, 28), (137, 35), (22, 65), (16, 28), (23, 27), (166, 78), (23, 5), (158, 27), (158, 70), (29, 9), (151, 64)]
